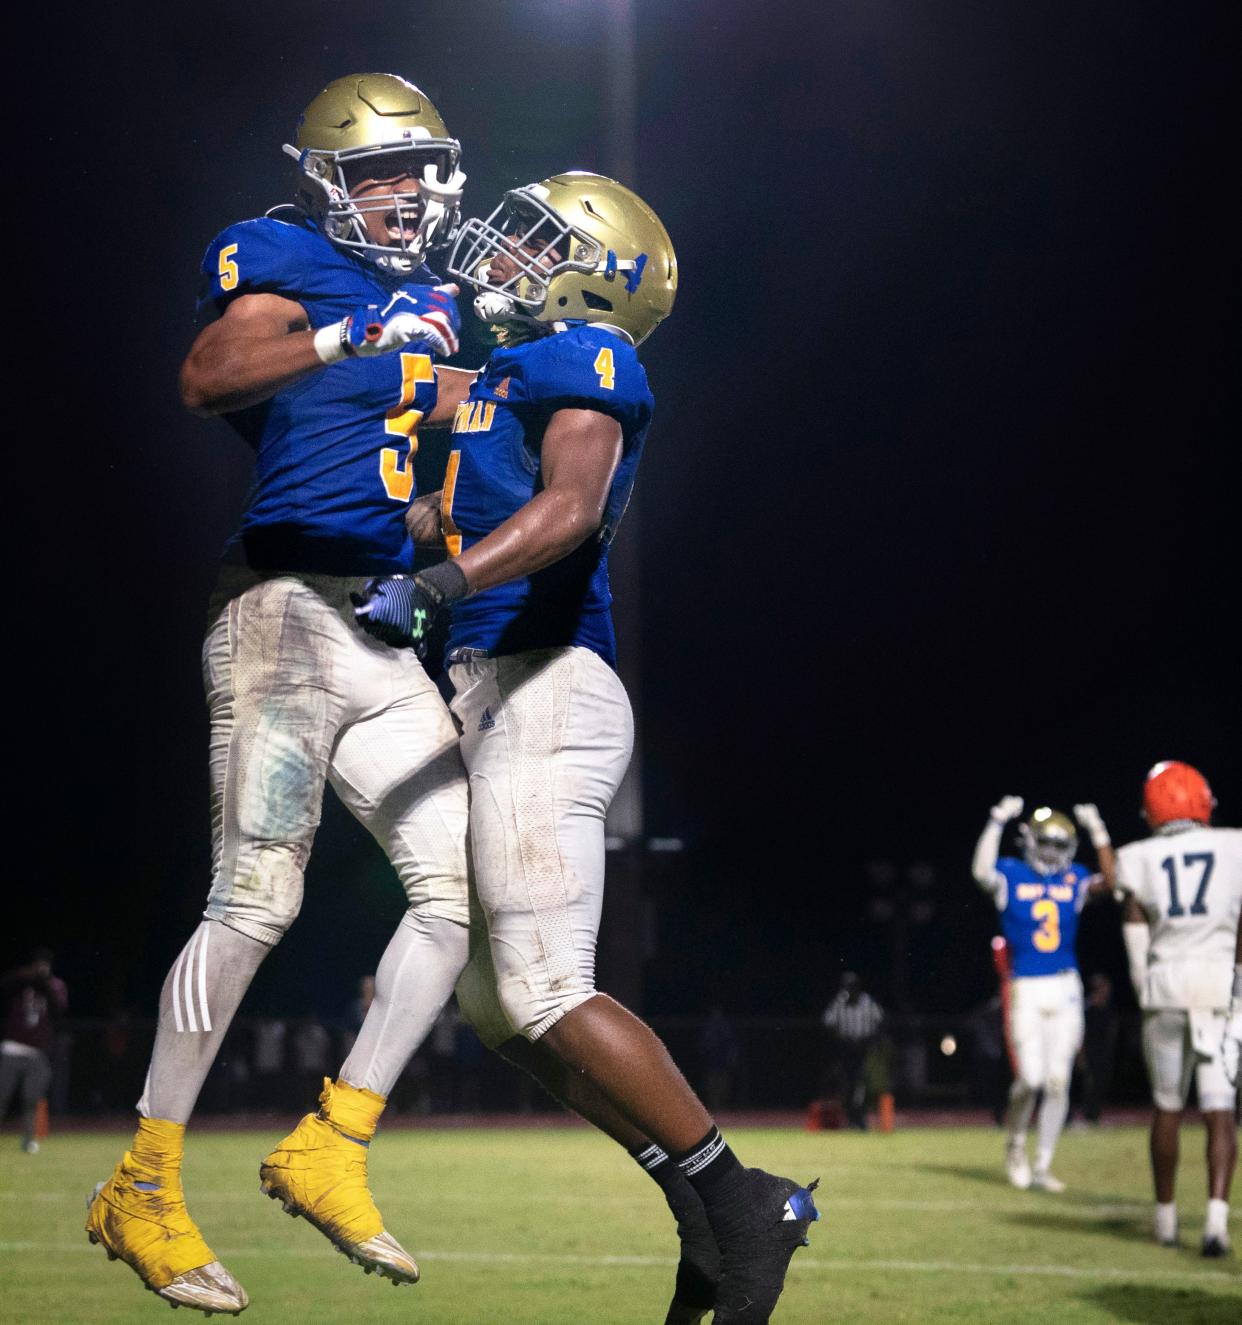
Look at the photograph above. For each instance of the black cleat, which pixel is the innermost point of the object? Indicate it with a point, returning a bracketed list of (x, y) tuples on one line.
[(1213, 1248), (756, 1255), (698, 1271)]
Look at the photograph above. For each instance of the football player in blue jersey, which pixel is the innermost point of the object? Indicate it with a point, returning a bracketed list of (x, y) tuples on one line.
[(575, 271), (1040, 897), (322, 357)]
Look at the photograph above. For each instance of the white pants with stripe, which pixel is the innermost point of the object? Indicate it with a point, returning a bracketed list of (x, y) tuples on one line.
[(1181, 1043), (299, 695), (546, 739), (1045, 1028)]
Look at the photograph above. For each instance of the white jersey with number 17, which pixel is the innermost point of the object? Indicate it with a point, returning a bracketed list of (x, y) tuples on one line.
[(1189, 884)]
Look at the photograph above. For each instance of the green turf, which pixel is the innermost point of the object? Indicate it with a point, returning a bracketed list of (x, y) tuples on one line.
[(544, 1227)]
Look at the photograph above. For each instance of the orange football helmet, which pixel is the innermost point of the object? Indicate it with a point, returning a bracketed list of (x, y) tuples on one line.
[(1176, 791)]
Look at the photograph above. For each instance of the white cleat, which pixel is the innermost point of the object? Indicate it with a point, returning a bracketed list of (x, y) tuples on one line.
[(1043, 1181), (1017, 1166)]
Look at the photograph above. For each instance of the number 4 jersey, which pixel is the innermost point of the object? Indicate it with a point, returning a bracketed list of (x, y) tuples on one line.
[(495, 469), (1189, 884), (334, 450), (1039, 915)]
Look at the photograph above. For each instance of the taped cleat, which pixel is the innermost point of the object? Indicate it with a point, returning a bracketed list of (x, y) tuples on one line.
[(756, 1251), (320, 1173), (138, 1216)]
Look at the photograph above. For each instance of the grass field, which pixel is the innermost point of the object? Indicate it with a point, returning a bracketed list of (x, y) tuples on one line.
[(557, 1228)]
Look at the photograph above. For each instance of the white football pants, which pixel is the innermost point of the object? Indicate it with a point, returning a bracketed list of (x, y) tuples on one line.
[(1180, 1043), (1045, 1029), (546, 739), (299, 694)]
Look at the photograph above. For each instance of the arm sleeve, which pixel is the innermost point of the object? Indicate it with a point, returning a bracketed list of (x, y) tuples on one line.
[(983, 866)]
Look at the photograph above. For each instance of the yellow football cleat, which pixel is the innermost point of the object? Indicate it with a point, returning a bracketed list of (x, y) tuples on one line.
[(319, 1171), (139, 1217)]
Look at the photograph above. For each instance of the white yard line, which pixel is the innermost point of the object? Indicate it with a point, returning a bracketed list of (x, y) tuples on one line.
[(1083, 1211), (801, 1264)]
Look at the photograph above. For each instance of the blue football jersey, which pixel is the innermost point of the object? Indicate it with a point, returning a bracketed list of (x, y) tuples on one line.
[(494, 470), (334, 451), (1040, 916)]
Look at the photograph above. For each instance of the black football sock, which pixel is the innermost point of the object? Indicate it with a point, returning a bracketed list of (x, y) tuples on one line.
[(713, 1170), (699, 1267)]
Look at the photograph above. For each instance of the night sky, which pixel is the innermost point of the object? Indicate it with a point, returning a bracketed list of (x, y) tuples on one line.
[(934, 507)]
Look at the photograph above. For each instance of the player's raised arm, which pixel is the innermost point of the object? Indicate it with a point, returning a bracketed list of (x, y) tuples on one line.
[(987, 849), (1092, 823), (262, 343)]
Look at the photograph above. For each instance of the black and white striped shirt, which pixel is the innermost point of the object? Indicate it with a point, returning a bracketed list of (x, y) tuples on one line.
[(853, 1019)]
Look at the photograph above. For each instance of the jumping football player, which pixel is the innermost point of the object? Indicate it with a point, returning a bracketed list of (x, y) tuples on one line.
[(1183, 933), (576, 271), (1039, 898), (321, 358)]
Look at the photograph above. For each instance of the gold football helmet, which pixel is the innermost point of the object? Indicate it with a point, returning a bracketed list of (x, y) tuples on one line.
[(1049, 840), (584, 249), (378, 127)]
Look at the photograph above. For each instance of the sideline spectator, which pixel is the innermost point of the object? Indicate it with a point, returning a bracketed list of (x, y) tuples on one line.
[(33, 998)]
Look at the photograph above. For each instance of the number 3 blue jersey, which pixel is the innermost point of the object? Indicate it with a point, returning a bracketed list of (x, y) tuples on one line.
[(1040, 916), (495, 470), (333, 467)]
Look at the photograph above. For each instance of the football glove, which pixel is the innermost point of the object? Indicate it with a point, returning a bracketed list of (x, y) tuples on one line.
[(1008, 807), (428, 314), (1091, 823), (401, 609)]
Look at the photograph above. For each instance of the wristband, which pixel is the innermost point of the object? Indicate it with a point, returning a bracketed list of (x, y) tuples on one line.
[(332, 342), (1100, 838), (444, 582)]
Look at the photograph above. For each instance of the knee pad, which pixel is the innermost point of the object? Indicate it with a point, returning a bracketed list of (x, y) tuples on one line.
[(478, 999), (263, 905)]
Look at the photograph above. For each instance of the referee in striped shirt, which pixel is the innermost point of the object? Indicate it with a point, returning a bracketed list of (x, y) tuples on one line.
[(853, 1019)]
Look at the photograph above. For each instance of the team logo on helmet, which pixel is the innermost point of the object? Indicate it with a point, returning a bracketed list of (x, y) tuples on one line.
[(576, 248)]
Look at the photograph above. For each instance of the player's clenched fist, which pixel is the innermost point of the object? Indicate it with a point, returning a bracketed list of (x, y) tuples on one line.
[(400, 609), (1008, 807), (428, 315)]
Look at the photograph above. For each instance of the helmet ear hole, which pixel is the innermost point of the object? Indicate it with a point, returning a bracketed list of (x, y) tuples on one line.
[(596, 301)]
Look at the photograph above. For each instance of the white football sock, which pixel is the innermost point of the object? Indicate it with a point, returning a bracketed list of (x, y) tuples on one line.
[(1166, 1220), (202, 992), (1018, 1117), (1051, 1120), (416, 975), (1216, 1222)]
